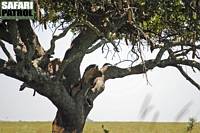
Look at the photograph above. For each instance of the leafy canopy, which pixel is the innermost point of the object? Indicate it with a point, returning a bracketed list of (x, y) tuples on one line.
[(130, 19)]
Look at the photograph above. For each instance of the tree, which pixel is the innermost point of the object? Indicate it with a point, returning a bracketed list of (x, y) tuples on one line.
[(168, 29)]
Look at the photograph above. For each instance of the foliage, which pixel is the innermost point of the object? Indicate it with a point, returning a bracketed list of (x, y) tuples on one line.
[(153, 20), (169, 28), (170, 25)]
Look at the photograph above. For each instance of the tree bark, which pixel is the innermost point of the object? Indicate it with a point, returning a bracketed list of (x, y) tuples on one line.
[(89, 87), (68, 124), (73, 120)]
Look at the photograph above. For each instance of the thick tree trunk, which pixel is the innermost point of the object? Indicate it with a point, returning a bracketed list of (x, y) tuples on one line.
[(59, 81), (68, 124), (73, 123)]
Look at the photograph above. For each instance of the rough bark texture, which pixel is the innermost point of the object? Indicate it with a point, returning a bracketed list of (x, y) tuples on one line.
[(60, 80)]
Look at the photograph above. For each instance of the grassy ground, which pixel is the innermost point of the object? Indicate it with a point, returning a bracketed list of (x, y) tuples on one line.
[(139, 127), (96, 127), (25, 127)]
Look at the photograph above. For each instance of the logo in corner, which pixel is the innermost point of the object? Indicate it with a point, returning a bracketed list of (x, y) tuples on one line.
[(17, 9)]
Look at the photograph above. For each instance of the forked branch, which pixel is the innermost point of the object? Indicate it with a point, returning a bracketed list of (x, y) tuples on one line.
[(61, 35)]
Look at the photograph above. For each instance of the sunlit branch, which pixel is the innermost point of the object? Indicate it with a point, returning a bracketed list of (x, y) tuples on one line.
[(122, 61), (96, 46)]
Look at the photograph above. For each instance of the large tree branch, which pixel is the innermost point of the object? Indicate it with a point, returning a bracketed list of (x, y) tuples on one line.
[(9, 69), (42, 83), (18, 46), (73, 56), (174, 62), (30, 39), (72, 25), (112, 72)]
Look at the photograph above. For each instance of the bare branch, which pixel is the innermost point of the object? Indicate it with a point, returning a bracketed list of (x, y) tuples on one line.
[(160, 54), (174, 62), (10, 58), (188, 77), (61, 35), (73, 24), (122, 61), (112, 72)]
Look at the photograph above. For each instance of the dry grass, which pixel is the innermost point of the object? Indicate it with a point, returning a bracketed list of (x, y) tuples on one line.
[(139, 127), (96, 127), (25, 127)]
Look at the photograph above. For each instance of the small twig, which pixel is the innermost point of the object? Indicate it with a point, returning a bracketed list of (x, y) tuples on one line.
[(137, 56), (183, 72), (143, 62), (197, 55), (61, 35), (56, 29), (73, 24), (188, 77), (152, 45), (115, 47), (108, 50)]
